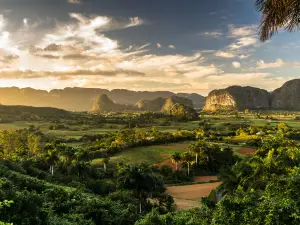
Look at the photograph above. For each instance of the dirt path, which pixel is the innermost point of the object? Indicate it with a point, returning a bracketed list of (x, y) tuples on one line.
[(246, 151), (192, 192)]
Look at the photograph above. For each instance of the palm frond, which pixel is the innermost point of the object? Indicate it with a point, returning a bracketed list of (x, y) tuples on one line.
[(277, 14)]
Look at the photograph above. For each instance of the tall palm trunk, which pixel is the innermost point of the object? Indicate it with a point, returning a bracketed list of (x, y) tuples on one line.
[(104, 167), (197, 159), (176, 163), (188, 169), (52, 170), (140, 206)]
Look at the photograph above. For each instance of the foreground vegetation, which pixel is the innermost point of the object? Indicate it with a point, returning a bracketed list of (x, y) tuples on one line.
[(120, 176)]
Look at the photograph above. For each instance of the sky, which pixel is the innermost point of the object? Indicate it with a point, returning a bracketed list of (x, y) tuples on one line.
[(191, 46)]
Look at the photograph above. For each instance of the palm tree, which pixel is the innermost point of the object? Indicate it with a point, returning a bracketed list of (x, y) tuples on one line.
[(138, 177), (52, 158), (105, 162), (278, 14), (197, 149), (188, 158), (80, 168), (230, 180), (176, 158)]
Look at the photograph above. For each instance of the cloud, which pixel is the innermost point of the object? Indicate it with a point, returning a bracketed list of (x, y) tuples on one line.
[(135, 21), (68, 74), (213, 34), (81, 53), (143, 46), (176, 66), (245, 36), (244, 42), (260, 80), (237, 32), (277, 64), (225, 54), (244, 56), (74, 1), (8, 59), (25, 22), (236, 65), (172, 46)]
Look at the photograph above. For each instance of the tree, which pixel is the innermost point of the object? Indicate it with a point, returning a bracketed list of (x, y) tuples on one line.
[(197, 148), (80, 168), (105, 162), (176, 158), (33, 144), (52, 158), (141, 179), (188, 159), (277, 14)]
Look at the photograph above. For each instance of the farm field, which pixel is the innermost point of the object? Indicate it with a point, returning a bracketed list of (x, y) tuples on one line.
[(188, 196), (149, 154), (156, 154)]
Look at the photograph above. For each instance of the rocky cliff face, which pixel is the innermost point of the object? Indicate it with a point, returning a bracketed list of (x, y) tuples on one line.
[(237, 97), (104, 104), (198, 100), (170, 102), (287, 97), (150, 105)]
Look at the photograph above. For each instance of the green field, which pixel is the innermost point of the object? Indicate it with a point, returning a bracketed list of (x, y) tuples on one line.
[(154, 154), (150, 154)]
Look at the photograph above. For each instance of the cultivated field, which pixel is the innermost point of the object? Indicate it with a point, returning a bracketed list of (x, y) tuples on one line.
[(188, 196)]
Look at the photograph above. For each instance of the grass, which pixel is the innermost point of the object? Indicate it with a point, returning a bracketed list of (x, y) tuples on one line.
[(150, 154)]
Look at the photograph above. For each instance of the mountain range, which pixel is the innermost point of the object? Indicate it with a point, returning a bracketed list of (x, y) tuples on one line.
[(81, 99)]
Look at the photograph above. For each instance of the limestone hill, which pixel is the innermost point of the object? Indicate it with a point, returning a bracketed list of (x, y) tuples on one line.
[(287, 97), (103, 105), (237, 97)]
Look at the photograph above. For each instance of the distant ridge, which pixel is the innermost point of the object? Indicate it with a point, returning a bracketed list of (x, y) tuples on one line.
[(81, 99)]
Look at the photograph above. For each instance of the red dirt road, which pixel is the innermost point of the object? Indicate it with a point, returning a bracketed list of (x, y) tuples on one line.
[(246, 151)]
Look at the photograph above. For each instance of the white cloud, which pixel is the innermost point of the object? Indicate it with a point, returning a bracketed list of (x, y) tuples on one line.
[(244, 56), (143, 46), (74, 1), (79, 53), (213, 34), (260, 80), (25, 21), (243, 42), (277, 64), (2, 22), (236, 64), (172, 46), (237, 32), (225, 54), (135, 21)]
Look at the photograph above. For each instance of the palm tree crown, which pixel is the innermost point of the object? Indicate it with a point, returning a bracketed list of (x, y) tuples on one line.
[(278, 14)]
